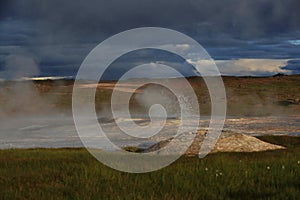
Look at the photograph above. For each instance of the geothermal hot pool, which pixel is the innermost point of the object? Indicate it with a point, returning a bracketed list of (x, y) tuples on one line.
[(59, 130)]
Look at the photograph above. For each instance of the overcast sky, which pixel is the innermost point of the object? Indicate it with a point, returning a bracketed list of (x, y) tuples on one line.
[(245, 37)]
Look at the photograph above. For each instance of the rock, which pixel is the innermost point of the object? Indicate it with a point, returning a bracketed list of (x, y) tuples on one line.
[(227, 142), (243, 143)]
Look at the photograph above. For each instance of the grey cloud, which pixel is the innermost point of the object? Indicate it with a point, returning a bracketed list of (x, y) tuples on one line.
[(293, 65)]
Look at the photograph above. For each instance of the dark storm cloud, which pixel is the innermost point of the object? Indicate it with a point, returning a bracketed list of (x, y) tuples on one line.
[(293, 65), (61, 33), (200, 18), (16, 32), (241, 18), (276, 48), (135, 58)]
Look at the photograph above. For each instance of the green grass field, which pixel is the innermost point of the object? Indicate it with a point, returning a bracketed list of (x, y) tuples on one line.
[(75, 174)]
